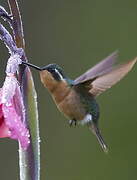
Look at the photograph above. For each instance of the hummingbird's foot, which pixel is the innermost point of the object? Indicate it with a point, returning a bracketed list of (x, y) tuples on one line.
[(73, 121)]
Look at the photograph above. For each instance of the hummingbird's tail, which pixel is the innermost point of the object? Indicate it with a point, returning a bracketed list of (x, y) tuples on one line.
[(99, 137)]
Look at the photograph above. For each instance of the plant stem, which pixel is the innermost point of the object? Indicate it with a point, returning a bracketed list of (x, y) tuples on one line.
[(29, 160), (17, 24)]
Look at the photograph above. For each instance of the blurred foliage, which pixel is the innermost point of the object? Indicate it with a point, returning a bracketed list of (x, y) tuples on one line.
[(76, 35)]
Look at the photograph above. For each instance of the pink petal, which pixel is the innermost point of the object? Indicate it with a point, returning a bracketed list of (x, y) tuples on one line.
[(16, 127), (4, 130), (13, 111)]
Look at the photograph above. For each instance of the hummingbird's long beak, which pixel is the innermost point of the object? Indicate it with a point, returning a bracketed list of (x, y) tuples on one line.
[(99, 137), (32, 65)]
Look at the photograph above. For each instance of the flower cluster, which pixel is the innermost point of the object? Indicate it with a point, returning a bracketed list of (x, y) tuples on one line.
[(12, 111)]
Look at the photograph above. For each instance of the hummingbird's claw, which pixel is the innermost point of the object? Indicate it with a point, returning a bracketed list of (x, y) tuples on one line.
[(73, 121)]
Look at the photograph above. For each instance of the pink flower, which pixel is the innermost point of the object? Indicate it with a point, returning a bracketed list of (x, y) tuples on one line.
[(12, 111)]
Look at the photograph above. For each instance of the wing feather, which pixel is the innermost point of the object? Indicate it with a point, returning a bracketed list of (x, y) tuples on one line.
[(100, 68), (102, 83)]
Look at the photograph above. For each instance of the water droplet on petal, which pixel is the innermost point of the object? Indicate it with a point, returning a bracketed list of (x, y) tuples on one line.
[(8, 104)]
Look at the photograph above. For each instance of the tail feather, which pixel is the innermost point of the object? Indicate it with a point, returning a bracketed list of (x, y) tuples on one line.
[(99, 137)]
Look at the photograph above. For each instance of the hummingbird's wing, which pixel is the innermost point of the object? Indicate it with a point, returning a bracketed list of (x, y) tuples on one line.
[(100, 68), (101, 83)]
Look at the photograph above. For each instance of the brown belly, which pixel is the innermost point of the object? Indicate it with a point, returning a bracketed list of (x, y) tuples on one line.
[(71, 107), (65, 97)]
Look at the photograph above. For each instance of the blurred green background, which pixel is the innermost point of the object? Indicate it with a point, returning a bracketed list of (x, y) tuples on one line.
[(76, 35)]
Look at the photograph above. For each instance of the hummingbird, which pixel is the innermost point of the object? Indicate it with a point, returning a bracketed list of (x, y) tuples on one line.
[(76, 99)]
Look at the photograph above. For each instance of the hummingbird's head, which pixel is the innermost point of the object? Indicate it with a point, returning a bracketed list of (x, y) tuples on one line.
[(55, 71), (52, 77)]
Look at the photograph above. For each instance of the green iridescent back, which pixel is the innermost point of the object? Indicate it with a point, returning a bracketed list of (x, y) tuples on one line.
[(88, 101)]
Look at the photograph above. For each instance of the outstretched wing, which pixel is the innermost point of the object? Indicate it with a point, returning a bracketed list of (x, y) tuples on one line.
[(100, 68), (101, 83)]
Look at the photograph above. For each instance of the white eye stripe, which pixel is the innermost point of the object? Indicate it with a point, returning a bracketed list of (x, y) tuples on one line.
[(61, 77)]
